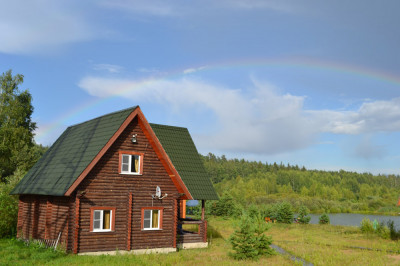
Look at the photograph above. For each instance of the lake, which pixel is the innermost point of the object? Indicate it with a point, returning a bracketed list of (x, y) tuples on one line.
[(354, 219)]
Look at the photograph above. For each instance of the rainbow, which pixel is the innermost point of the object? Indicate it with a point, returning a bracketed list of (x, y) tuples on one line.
[(293, 62)]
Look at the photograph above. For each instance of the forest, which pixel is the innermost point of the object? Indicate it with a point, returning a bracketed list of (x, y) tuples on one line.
[(256, 183)]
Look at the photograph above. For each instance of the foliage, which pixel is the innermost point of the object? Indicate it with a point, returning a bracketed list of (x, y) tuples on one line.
[(394, 234), (324, 219), (320, 191), (369, 227), (249, 240), (16, 126), (282, 212), (303, 217), (285, 213), (263, 242), (226, 206), (383, 231), (9, 206)]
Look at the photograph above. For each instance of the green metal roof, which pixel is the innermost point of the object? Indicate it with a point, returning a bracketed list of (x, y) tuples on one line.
[(76, 148), (179, 146), (72, 152)]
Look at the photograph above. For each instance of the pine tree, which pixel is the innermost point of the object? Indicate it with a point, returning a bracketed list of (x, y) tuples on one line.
[(249, 241), (303, 217)]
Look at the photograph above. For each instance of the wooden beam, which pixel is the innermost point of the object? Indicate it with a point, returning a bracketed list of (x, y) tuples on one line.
[(128, 246), (35, 218), (76, 233), (21, 217), (202, 209), (175, 222), (47, 226), (205, 232)]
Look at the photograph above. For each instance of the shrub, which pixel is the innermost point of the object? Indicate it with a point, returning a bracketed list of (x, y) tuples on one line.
[(226, 206), (9, 205), (243, 241), (324, 219), (366, 226), (394, 234), (249, 240), (383, 231), (271, 211), (285, 213), (303, 217), (253, 211)]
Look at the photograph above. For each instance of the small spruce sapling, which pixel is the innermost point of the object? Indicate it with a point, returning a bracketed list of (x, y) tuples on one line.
[(249, 240), (303, 217), (324, 219), (243, 241), (263, 242)]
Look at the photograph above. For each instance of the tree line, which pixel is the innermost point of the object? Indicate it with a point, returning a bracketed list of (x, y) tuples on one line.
[(257, 183)]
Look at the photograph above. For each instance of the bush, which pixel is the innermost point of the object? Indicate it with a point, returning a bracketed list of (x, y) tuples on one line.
[(324, 219), (253, 211), (249, 240), (303, 217), (366, 226), (271, 211), (226, 207), (285, 213), (9, 205), (383, 231), (394, 234)]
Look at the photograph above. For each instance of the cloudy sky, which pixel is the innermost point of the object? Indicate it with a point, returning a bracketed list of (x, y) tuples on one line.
[(313, 83)]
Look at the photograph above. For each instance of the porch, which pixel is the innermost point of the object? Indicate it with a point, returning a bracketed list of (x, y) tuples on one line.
[(192, 233)]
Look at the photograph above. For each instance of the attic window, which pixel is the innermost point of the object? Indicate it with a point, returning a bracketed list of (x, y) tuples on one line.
[(130, 163)]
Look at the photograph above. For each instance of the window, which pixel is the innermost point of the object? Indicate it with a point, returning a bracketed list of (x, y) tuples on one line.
[(130, 163), (102, 219), (152, 218)]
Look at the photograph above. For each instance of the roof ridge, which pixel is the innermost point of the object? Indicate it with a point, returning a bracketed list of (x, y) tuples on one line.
[(168, 126), (113, 113)]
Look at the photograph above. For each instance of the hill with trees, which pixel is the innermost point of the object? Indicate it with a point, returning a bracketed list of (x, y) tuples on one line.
[(256, 183)]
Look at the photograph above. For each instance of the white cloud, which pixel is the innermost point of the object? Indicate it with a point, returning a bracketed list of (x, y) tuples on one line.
[(375, 116), (144, 7), (193, 70), (259, 120), (40, 25), (277, 5), (108, 67)]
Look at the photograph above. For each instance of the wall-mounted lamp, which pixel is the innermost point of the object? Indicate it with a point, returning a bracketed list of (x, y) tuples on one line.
[(134, 138)]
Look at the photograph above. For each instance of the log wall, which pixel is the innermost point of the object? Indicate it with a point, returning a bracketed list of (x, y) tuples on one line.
[(105, 187), (43, 217)]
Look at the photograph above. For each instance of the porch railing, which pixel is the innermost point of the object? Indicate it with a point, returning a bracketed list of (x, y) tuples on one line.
[(190, 236)]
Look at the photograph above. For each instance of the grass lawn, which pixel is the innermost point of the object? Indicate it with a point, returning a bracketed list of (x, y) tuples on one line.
[(321, 245)]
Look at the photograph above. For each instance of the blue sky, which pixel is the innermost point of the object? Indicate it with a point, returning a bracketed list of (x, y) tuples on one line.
[(313, 83)]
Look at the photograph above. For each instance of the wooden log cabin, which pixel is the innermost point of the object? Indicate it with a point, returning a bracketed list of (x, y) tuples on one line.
[(116, 182)]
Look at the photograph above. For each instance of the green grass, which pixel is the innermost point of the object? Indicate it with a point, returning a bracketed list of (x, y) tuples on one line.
[(319, 244), (14, 252)]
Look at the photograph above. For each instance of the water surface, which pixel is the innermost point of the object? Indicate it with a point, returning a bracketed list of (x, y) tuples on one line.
[(354, 219)]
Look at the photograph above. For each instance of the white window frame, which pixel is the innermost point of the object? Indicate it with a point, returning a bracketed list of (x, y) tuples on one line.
[(130, 164), (151, 219), (102, 221)]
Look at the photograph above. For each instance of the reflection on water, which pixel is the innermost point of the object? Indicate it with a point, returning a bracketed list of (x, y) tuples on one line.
[(354, 219)]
